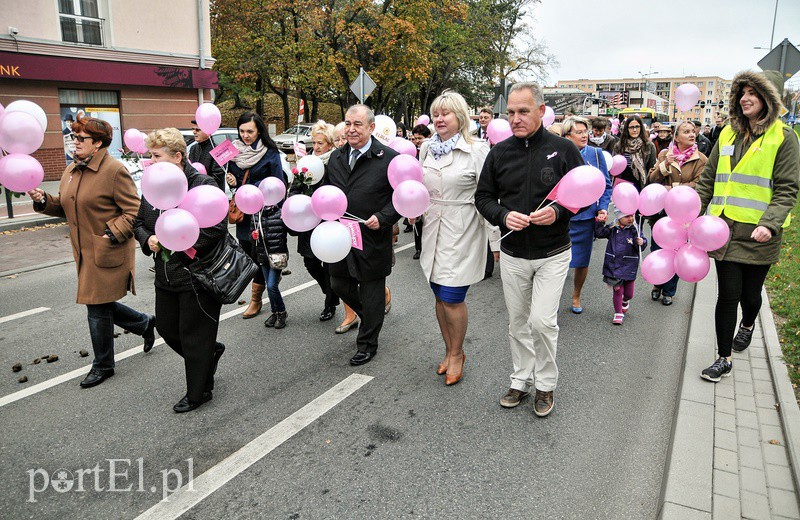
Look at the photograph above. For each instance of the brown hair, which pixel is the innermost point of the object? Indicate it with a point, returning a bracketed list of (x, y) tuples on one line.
[(98, 129)]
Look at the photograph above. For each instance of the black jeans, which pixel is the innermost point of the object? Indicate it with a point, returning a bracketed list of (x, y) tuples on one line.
[(737, 284), (367, 299), (418, 235), (671, 286), (250, 248), (319, 272), (188, 322), (102, 318)]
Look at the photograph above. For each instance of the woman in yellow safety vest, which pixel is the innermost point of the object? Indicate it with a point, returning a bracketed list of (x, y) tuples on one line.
[(751, 181)]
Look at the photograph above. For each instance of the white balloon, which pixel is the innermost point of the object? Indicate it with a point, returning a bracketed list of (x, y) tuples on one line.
[(314, 165), (609, 159), (29, 107), (330, 241), (385, 129)]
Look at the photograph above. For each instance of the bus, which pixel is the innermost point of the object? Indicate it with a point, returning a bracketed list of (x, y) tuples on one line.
[(648, 115)]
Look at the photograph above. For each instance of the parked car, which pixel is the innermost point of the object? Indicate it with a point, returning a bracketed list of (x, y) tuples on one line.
[(301, 133), (231, 134)]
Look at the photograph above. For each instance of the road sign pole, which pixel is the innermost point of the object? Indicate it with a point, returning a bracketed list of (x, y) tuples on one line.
[(361, 79), (784, 47)]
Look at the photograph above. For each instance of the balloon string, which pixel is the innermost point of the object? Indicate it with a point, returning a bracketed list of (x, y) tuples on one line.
[(502, 237), (350, 216)]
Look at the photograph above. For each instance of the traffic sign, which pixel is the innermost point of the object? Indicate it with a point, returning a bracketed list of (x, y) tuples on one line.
[(500, 106), (363, 86), (784, 58)]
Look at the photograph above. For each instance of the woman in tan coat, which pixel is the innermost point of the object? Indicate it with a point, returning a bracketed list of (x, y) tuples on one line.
[(98, 198), (679, 164)]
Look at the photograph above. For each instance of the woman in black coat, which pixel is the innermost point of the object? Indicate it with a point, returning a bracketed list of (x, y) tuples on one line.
[(258, 159), (188, 316), (637, 149), (269, 234)]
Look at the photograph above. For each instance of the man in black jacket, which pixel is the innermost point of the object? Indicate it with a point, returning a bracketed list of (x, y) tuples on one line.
[(703, 143), (200, 152), (720, 124), (517, 176), (360, 169)]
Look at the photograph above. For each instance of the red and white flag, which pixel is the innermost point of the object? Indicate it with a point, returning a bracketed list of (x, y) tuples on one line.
[(301, 112)]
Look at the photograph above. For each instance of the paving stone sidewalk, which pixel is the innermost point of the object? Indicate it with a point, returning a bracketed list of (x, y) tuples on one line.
[(734, 442)]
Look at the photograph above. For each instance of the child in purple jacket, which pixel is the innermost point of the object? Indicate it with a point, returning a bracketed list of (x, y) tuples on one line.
[(621, 263)]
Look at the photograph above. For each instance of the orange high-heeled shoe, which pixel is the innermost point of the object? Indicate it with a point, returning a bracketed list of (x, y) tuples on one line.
[(441, 369), (455, 378)]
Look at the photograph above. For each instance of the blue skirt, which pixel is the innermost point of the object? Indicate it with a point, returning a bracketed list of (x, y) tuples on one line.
[(450, 294), (581, 233)]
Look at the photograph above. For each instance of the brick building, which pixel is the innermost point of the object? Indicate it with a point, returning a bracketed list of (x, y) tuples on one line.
[(143, 64)]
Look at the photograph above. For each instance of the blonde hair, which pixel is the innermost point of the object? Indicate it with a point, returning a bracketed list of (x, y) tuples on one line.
[(170, 139), (569, 124), (327, 130), (557, 129), (455, 103)]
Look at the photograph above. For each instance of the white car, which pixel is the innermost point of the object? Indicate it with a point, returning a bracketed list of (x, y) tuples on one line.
[(301, 133)]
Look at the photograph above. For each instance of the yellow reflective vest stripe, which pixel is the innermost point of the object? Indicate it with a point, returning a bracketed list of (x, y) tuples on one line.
[(745, 194)]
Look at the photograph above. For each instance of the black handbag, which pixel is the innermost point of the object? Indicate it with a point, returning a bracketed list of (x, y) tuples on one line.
[(225, 271)]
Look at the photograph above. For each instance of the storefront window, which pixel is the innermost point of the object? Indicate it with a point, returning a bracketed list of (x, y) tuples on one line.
[(100, 104)]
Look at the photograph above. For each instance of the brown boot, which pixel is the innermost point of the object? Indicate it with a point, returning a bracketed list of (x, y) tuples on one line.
[(254, 308), (387, 298), (350, 320)]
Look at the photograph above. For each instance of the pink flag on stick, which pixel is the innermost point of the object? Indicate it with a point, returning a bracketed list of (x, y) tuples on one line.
[(355, 233), (299, 149), (224, 152), (553, 195)]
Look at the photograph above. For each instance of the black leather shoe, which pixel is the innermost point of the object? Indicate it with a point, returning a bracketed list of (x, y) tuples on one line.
[(95, 377), (666, 300), (416, 255), (270, 322), (361, 358), (149, 335), (327, 313), (185, 405), (280, 320), (655, 294)]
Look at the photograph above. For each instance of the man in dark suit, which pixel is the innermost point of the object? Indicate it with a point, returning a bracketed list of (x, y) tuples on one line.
[(717, 129), (200, 151), (360, 169), (484, 118)]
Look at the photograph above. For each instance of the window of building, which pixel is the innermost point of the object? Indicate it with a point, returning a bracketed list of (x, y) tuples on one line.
[(80, 21)]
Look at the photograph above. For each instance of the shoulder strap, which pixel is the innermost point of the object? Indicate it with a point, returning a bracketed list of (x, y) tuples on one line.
[(246, 176)]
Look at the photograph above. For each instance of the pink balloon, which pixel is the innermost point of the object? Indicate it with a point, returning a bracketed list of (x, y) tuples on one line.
[(692, 263), (298, 215), (134, 140), (20, 132), (200, 168), (423, 120), (581, 186), (618, 164), (670, 234), (249, 199), (411, 198), (651, 199), (329, 203), (403, 146), (20, 172), (498, 130), (549, 117), (626, 198), (709, 233), (659, 266), (404, 168), (687, 96), (208, 118), (682, 203), (208, 204), (273, 190), (177, 229), (164, 185), (2, 109)]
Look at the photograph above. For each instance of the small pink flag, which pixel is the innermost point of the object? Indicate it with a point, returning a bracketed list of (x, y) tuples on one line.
[(553, 195), (355, 233), (191, 252), (224, 152), (299, 149)]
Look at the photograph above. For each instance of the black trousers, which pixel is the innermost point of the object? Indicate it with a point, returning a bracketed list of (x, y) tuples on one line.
[(319, 272), (367, 300), (737, 284), (489, 269), (250, 248), (188, 322), (418, 235)]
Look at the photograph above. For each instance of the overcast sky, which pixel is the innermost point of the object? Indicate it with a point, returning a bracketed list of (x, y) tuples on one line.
[(598, 39)]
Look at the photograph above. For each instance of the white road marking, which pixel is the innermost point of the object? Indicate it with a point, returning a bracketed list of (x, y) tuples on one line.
[(50, 383), (201, 487), (37, 310)]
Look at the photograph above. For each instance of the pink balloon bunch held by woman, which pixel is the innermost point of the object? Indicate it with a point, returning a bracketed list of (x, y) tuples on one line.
[(22, 128)]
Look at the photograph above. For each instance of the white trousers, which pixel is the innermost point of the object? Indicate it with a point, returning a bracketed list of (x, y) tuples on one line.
[(532, 290)]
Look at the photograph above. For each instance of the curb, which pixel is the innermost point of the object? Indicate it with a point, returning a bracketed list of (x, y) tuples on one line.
[(30, 268), (14, 224), (787, 403)]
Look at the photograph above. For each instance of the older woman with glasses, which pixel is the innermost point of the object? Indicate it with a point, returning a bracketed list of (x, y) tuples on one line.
[(98, 198), (639, 152)]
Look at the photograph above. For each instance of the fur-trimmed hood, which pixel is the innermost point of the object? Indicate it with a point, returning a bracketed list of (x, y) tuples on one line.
[(769, 85)]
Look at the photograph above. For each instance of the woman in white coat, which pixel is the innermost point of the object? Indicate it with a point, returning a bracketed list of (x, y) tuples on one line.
[(454, 234)]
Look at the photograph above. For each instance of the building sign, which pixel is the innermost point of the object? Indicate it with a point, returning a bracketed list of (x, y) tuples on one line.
[(71, 113), (565, 103), (616, 98), (54, 68)]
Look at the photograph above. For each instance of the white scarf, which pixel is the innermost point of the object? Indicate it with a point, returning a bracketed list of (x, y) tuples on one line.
[(248, 157), (439, 148)]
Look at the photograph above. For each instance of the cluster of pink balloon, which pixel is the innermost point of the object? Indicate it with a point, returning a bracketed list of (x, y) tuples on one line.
[(134, 140), (410, 198), (423, 120), (685, 237), (330, 240), (614, 126), (22, 127)]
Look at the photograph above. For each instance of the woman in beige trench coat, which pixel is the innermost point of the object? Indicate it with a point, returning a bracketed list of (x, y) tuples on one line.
[(98, 198), (454, 234)]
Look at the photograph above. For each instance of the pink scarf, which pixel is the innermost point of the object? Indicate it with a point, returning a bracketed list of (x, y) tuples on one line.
[(679, 156)]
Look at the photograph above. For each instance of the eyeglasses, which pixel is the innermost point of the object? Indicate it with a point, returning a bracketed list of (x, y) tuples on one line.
[(634, 127), (578, 132), (82, 138)]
